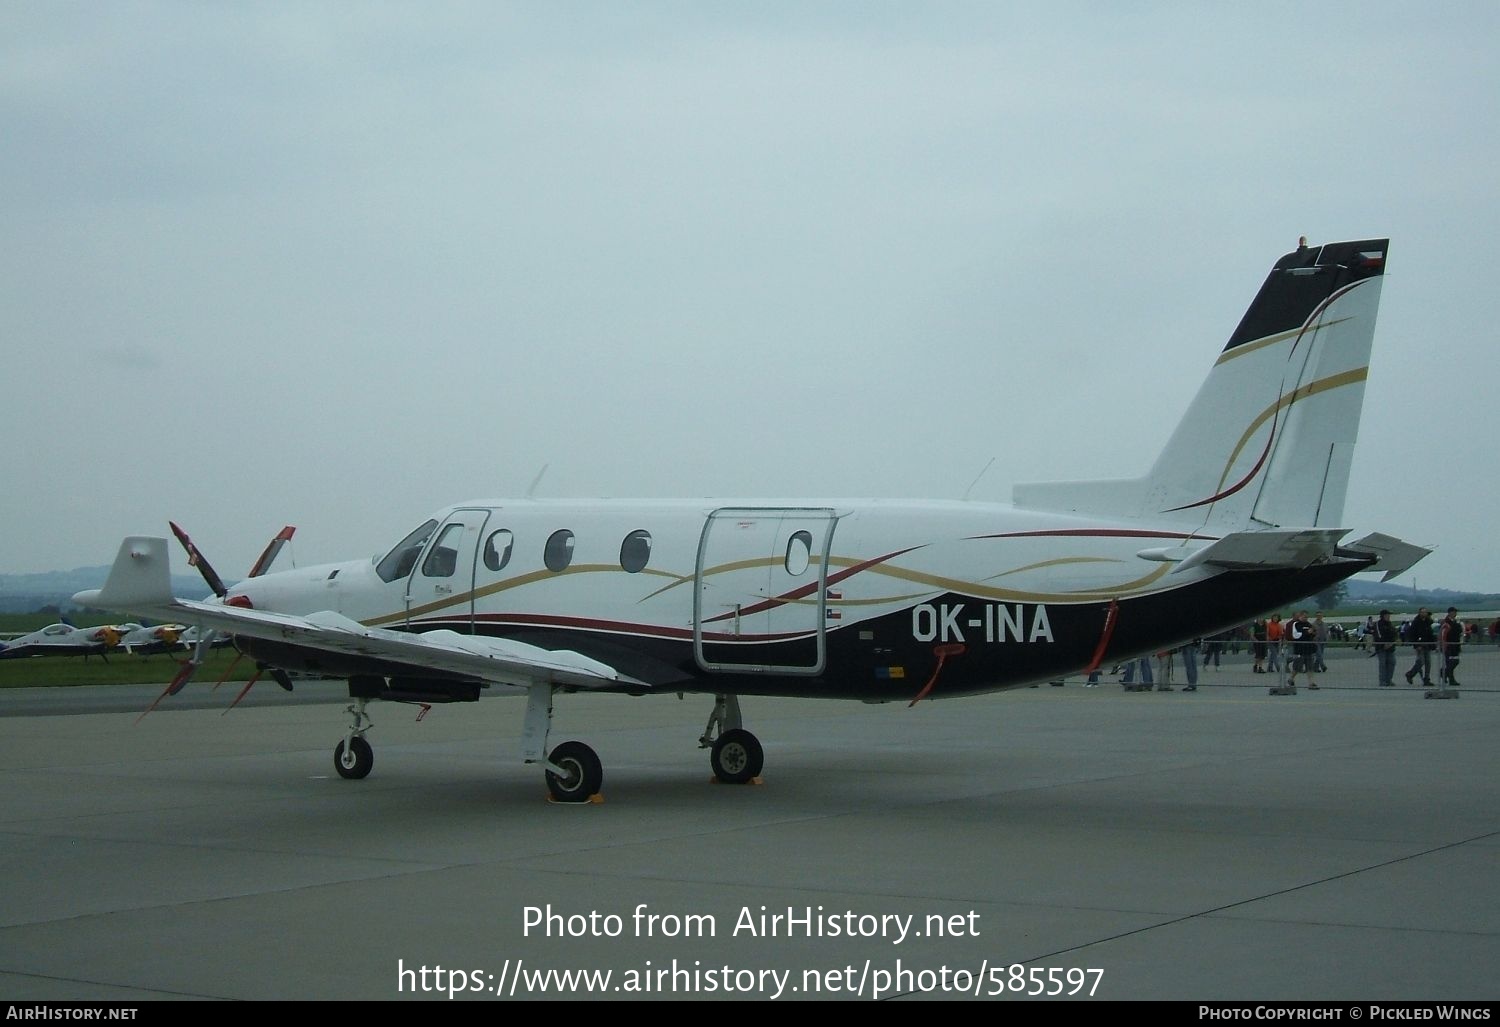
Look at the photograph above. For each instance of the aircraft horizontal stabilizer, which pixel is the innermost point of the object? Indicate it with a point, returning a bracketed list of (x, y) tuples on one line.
[(1392, 555), (1267, 550)]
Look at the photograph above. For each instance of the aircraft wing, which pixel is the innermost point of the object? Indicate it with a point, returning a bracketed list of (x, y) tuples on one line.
[(140, 582)]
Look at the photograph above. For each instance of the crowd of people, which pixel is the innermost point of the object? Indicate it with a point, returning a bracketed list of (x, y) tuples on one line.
[(1299, 647)]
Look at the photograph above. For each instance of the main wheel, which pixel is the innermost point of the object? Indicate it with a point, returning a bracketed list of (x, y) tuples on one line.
[(736, 757), (357, 761), (583, 773)]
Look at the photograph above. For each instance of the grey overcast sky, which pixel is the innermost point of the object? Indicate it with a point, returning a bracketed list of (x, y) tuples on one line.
[(340, 264)]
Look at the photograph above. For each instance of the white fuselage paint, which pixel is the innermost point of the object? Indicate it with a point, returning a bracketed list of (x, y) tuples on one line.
[(883, 557)]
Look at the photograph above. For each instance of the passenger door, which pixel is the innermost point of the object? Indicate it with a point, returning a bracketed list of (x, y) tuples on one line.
[(760, 599)]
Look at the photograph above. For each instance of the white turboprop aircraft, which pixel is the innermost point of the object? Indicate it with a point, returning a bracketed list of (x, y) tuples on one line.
[(64, 640), (876, 600)]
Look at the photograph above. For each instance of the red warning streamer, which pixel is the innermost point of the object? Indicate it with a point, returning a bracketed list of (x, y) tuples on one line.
[(1109, 629), (942, 652)]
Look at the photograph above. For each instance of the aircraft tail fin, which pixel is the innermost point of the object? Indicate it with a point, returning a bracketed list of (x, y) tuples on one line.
[(1268, 440)]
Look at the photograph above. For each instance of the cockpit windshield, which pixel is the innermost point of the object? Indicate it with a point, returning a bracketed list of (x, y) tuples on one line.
[(399, 561)]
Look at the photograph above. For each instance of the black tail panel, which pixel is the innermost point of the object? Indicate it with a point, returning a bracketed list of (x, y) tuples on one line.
[(1302, 280)]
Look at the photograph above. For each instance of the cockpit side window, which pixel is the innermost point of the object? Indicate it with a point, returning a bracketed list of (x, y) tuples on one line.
[(399, 561), (442, 558)]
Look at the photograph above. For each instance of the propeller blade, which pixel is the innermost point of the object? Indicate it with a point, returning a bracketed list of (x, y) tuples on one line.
[(244, 691), (272, 550), (225, 677), (173, 687), (182, 677), (282, 678), (191, 664), (195, 559), (185, 672)]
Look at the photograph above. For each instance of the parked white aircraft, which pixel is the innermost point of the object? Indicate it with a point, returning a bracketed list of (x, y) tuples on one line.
[(862, 599), (63, 640), (158, 638)]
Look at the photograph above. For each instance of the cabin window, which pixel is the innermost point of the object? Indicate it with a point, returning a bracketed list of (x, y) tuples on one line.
[(798, 552), (399, 562), (497, 549), (635, 551), (442, 559), (559, 551)]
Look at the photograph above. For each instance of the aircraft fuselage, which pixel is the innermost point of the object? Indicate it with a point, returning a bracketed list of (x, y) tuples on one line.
[(860, 599)]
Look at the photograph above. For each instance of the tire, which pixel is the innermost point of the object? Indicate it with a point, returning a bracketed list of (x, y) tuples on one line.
[(585, 774), (737, 757), (356, 763)]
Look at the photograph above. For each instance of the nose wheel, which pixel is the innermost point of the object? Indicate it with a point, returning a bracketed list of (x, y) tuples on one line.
[(353, 757), (354, 761)]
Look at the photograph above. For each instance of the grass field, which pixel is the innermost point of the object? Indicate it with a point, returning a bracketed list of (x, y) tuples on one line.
[(25, 623), (119, 669)]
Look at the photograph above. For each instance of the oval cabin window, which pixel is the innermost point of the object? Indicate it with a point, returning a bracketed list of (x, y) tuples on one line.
[(635, 551), (497, 549), (559, 551), (798, 552)]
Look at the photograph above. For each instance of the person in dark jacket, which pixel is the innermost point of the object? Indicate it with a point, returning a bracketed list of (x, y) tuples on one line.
[(1451, 639), (1419, 636), (1383, 641)]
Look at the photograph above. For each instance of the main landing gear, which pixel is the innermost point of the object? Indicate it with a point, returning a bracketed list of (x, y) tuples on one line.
[(574, 773), (735, 755)]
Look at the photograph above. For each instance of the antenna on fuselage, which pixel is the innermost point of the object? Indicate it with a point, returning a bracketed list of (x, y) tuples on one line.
[(531, 492), (976, 480)]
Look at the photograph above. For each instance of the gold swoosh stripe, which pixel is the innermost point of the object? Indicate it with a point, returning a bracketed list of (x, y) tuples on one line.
[(1336, 381), (935, 582)]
